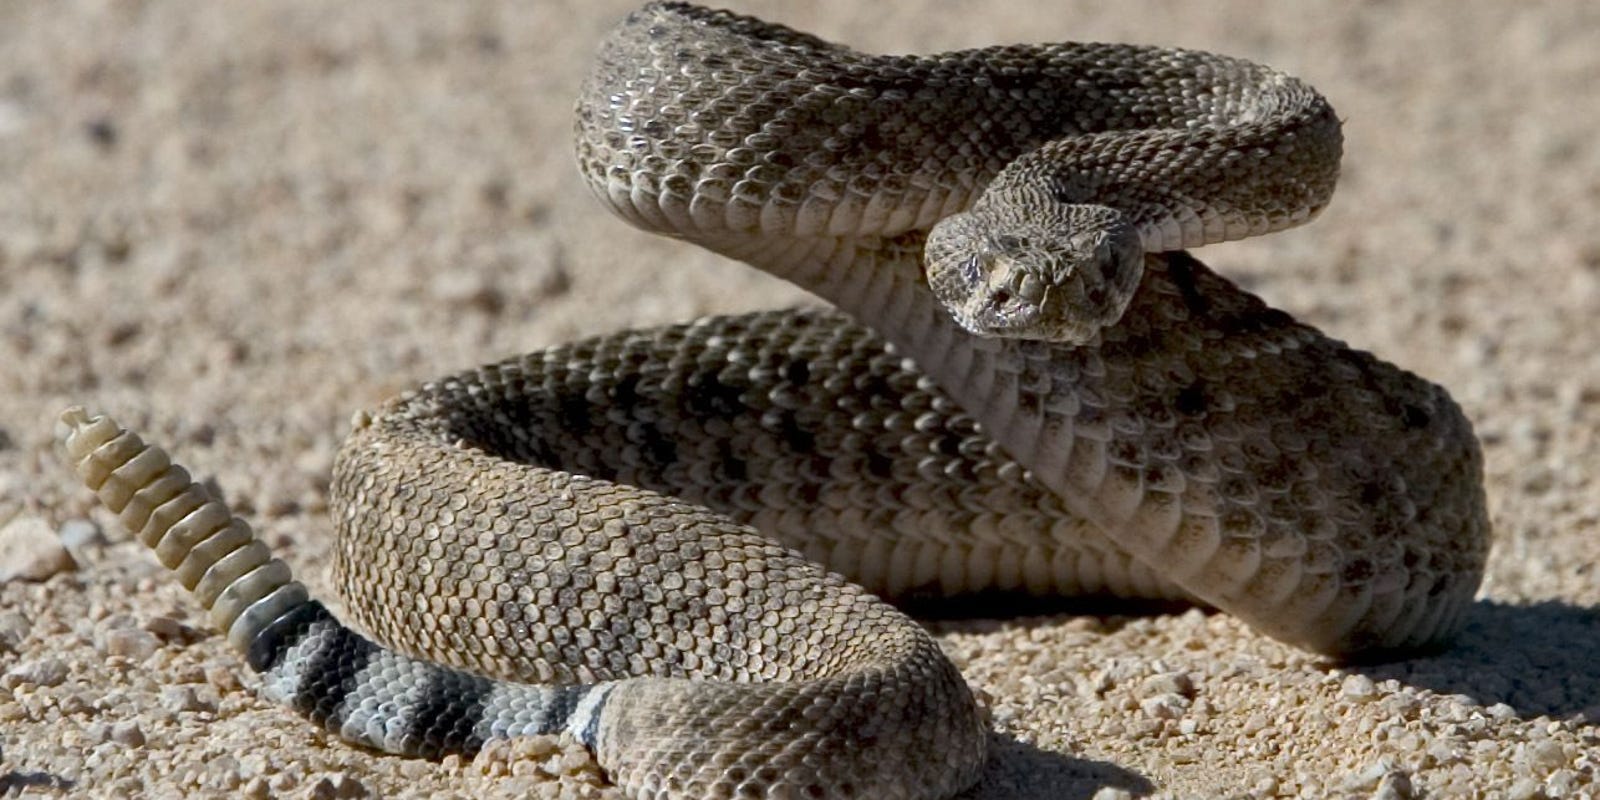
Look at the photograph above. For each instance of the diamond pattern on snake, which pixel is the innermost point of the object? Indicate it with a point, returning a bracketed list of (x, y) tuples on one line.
[(678, 545)]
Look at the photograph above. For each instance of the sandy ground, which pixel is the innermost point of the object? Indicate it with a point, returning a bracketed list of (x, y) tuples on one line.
[(234, 223)]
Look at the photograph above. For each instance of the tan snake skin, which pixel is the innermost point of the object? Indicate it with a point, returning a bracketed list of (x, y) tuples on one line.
[(627, 539)]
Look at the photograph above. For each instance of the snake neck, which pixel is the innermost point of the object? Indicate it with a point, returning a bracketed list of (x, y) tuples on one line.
[(879, 281)]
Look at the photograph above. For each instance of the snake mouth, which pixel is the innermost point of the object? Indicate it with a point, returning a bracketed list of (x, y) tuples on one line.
[(990, 321), (1021, 321)]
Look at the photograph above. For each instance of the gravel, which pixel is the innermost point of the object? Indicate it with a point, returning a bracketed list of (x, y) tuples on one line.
[(234, 223)]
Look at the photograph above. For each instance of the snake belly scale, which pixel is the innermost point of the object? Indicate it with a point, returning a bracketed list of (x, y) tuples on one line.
[(672, 544)]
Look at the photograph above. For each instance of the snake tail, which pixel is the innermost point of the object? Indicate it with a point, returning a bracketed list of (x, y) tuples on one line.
[(308, 660)]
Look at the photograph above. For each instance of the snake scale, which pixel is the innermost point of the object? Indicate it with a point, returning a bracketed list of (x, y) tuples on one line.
[(668, 542)]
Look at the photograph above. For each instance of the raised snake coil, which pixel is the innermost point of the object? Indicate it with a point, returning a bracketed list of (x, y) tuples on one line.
[(628, 538)]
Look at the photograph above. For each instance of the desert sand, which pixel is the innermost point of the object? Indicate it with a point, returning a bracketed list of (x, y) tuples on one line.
[(232, 224)]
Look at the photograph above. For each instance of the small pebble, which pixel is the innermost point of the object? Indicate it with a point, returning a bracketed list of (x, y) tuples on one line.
[(1394, 785), (1402, 705), (131, 643), (1370, 777), (1092, 686), (223, 773), (1359, 688), (78, 535), (1164, 706), (225, 679), (1113, 793), (127, 733), (416, 769), (1525, 789), (183, 698), (74, 703), (13, 630), (39, 672), (336, 787), (256, 788), (12, 712), (534, 746), (171, 630), (1545, 756), (1177, 683), (1562, 783), (573, 761)]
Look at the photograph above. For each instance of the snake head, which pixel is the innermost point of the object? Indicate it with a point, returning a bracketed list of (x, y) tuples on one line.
[(1023, 265)]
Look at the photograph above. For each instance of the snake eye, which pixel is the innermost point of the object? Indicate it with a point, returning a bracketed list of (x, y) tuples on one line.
[(1109, 268)]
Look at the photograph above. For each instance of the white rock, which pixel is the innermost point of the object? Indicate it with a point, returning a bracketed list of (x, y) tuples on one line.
[(1359, 688), (31, 551)]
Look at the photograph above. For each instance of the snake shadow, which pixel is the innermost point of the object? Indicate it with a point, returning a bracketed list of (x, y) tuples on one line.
[(1019, 771), (1539, 659), (21, 783), (1536, 658)]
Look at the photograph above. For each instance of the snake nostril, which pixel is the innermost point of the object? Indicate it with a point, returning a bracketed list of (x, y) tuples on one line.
[(970, 270), (1000, 297)]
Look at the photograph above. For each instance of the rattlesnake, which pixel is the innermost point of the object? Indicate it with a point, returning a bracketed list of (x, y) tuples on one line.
[(1094, 414)]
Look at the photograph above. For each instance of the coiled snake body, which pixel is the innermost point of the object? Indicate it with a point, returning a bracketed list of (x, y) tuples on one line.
[(1059, 404)]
